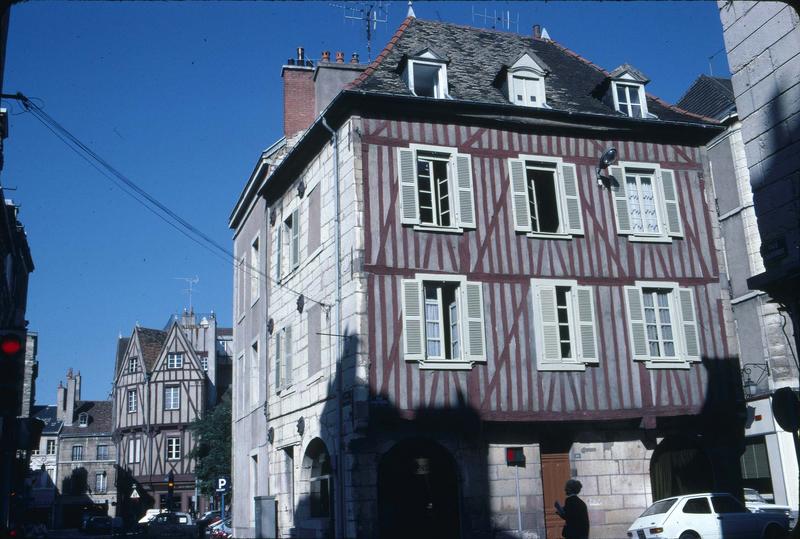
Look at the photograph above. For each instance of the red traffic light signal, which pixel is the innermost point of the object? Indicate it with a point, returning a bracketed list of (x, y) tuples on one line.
[(515, 456), (12, 371), (10, 344)]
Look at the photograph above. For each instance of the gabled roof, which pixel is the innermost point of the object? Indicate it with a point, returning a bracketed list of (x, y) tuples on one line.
[(150, 341), (710, 96), (630, 70), (47, 414), (476, 56), (100, 419), (122, 346)]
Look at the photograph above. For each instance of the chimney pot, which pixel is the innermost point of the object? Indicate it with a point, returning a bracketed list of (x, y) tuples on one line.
[(537, 31), (339, 57), (301, 55), (290, 61), (354, 58), (326, 56)]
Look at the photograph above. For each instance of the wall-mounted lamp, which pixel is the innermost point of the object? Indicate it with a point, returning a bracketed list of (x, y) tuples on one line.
[(751, 387), (608, 157)]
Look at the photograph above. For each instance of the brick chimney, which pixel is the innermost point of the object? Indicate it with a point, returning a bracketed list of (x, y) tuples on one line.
[(61, 402), (298, 94)]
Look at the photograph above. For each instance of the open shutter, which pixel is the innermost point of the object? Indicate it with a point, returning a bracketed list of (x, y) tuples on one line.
[(287, 353), (689, 321), (673, 214), (519, 195), (633, 295), (569, 181), (551, 349), (278, 345), (587, 324), (278, 246), (295, 238), (413, 335), (466, 200), (409, 205), (472, 328), (620, 200)]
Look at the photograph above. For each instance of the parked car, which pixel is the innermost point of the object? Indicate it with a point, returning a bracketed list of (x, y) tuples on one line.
[(97, 525), (171, 525), (149, 515), (222, 529), (706, 516), (754, 501), (206, 519)]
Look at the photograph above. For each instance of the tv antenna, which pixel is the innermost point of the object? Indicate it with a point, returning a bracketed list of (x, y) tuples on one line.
[(370, 13), (190, 282), (503, 21)]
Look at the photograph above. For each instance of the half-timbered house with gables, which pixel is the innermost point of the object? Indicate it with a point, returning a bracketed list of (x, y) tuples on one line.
[(164, 380), (435, 268)]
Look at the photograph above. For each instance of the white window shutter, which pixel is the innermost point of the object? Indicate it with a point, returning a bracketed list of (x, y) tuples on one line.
[(673, 214), (409, 204), (519, 195), (620, 200), (633, 297), (295, 238), (689, 321), (278, 337), (287, 354), (587, 324), (472, 328), (278, 248), (466, 199), (413, 320), (569, 182), (551, 347)]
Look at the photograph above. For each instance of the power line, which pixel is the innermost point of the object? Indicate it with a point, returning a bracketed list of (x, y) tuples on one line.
[(141, 196)]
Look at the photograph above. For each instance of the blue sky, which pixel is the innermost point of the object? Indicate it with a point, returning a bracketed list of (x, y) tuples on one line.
[(182, 97)]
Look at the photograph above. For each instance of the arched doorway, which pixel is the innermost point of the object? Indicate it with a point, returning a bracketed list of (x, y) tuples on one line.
[(679, 465), (318, 510), (418, 492)]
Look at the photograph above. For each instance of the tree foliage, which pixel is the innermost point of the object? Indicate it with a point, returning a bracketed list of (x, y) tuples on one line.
[(212, 452)]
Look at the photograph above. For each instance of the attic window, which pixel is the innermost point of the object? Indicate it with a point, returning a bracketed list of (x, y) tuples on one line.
[(525, 82), (426, 76), (83, 419), (629, 99)]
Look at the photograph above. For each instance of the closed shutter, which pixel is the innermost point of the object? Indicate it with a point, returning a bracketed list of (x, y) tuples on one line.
[(620, 200), (574, 217), (673, 215), (288, 355), (587, 325), (409, 205), (295, 238), (413, 336), (519, 195), (637, 328), (466, 200), (278, 246), (551, 349), (313, 234), (278, 346), (473, 327), (689, 321)]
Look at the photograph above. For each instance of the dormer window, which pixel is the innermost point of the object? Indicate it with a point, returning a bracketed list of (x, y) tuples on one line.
[(426, 75), (83, 419), (629, 100), (525, 82)]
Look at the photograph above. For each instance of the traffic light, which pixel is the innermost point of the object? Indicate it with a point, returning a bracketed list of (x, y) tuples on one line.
[(170, 488), (12, 371)]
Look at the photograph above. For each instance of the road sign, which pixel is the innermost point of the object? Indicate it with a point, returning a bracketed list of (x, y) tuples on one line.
[(222, 484), (134, 494)]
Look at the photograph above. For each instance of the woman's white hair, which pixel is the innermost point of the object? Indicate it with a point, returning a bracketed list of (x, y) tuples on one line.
[(573, 486)]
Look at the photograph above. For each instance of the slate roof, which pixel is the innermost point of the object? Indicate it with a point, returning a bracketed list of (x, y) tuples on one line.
[(151, 342), (475, 56), (122, 346), (100, 419), (47, 414), (709, 96)]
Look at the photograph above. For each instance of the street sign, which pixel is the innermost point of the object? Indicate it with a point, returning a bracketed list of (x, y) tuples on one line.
[(134, 494), (222, 484)]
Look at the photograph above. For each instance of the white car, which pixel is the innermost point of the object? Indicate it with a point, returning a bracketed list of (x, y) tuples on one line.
[(706, 516)]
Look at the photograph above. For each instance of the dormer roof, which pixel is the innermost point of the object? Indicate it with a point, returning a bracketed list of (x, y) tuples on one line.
[(530, 60), (628, 72)]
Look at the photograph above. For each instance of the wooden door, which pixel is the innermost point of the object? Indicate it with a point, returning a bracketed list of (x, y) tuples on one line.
[(555, 472)]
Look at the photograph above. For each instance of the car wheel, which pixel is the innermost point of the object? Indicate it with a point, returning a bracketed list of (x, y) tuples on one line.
[(774, 532), (689, 535)]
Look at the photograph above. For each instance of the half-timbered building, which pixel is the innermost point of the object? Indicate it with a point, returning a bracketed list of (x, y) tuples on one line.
[(435, 269), (164, 380)]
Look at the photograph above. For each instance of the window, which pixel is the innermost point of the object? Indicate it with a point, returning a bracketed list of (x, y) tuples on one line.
[(646, 202), (173, 448), (133, 364), (51, 447), (629, 99), (204, 363), (172, 398), (255, 269), (697, 506), (134, 450), (83, 419), (100, 482), (318, 462), (663, 324), (35, 451), (283, 358), (525, 82), (77, 452), (727, 504), (253, 374), (426, 76), (443, 321), (565, 325), (436, 187), (102, 452), (277, 255), (544, 197), (292, 227), (288, 477), (133, 401), (175, 361)]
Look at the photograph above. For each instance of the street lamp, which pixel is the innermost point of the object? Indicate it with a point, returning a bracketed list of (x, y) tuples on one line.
[(751, 387)]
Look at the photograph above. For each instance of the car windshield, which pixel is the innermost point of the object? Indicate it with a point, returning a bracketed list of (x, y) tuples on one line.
[(661, 506)]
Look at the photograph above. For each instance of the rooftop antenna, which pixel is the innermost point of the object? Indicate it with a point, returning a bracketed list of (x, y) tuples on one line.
[(370, 13), (710, 58), (504, 20), (190, 282)]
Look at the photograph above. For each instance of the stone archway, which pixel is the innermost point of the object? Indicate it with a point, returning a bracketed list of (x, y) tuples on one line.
[(418, 491), (680, 465)]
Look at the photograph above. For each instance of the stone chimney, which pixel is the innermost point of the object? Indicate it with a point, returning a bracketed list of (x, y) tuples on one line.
[(298, 94), (61, 402), (537, 31), (78, 386), (69, 411)]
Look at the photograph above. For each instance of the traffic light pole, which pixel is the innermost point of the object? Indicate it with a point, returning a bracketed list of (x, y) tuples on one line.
[(7, 453)]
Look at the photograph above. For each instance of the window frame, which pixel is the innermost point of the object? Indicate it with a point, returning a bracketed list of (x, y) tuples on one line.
[(134, 450), (169, 402), (667, 203), (284, 359), (174, 360), (48, 445), (77, 453), (83, 420), (440, 88), (684, 319), (100, 482), (133, 365), (134, 402), (460, 183), (107, 453), (173, 447), (628, 84)]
